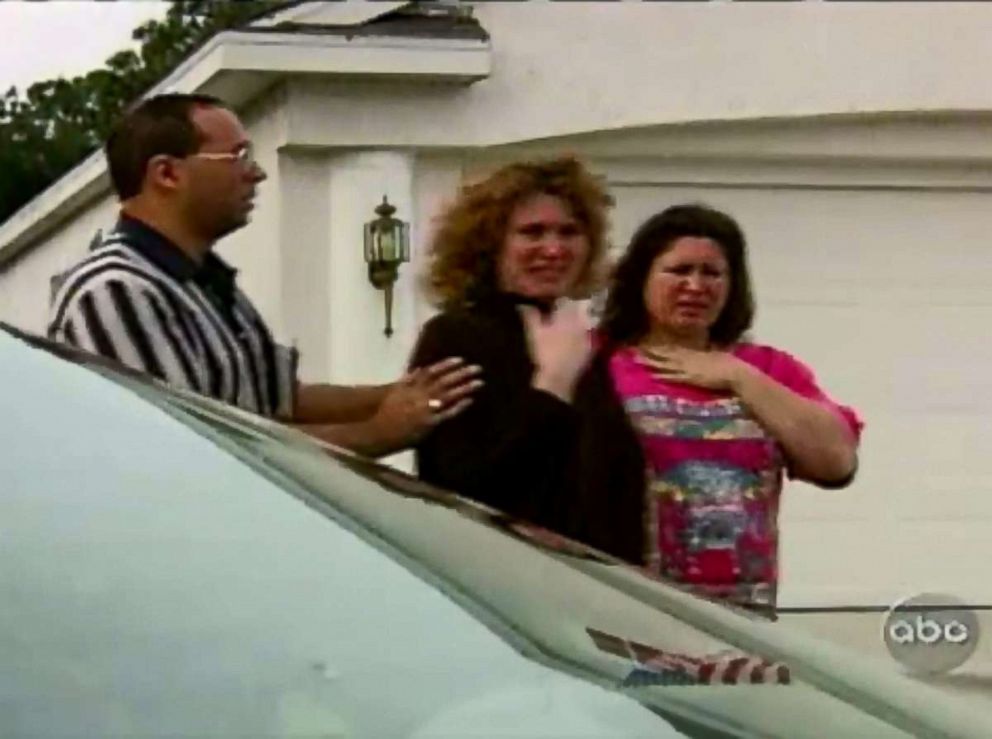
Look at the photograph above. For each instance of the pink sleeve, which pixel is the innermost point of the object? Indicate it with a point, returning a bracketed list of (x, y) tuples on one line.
[(799, 378)]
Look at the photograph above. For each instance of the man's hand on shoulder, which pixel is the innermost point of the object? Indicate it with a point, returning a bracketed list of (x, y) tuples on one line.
[(408, 409), (426, 397)]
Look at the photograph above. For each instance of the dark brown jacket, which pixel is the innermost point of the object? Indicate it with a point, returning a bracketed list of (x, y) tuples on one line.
[(576, 469)]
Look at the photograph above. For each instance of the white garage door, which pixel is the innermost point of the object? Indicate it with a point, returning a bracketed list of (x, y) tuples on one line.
[(887, 295)]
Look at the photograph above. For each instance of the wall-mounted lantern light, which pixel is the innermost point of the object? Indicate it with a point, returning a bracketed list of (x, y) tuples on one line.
[(387, 246)]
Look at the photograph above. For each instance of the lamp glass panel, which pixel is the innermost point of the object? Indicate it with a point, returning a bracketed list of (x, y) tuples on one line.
[(369, 243), (387, 244), (404, 242)]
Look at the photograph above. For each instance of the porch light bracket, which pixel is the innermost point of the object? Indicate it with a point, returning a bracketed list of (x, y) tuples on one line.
[(387, 246)]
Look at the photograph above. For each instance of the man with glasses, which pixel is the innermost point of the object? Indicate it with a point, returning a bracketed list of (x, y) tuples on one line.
[(153, 295)]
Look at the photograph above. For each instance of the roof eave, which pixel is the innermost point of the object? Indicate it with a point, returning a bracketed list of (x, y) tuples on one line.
[(237, 66)]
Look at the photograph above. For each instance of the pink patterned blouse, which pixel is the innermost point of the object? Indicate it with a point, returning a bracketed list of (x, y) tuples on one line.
[(714, 475)]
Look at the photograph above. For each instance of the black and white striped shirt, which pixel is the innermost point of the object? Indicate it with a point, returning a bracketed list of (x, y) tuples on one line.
[(139, 300)]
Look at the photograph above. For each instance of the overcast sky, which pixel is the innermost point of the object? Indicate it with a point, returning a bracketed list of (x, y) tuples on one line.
[(43, 40)]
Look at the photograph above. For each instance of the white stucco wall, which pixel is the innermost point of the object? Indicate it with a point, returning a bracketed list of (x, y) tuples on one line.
[(565, 68), (25, 283), (570, 66), (331, 310), (304, 253)]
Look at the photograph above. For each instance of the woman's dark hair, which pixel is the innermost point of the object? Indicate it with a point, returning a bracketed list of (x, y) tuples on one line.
[(625, 317)]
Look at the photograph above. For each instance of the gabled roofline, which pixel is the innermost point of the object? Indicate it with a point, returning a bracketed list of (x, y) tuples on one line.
[(348, 12), (236, 66)]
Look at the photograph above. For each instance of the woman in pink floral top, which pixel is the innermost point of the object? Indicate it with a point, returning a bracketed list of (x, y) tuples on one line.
[(720, 420)]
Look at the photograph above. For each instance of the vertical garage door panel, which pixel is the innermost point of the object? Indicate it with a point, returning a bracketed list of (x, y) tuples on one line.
[(888, 295), (943, 556), (944, 354), (923, 475), (824, 563)]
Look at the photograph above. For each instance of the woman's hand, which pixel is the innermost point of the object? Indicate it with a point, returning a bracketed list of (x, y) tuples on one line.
[(560, 347), (713, 370), (819, 446)]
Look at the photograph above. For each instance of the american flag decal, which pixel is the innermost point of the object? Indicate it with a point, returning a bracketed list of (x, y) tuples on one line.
[(655, 667)]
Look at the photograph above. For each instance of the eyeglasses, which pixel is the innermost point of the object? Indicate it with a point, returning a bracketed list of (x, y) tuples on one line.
[(245, 155)]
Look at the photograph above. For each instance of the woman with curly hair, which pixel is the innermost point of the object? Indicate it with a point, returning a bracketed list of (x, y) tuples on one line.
[(719, 419), (509, 259)]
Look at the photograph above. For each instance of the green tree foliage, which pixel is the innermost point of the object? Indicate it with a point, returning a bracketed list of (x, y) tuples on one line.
[(57, 123)]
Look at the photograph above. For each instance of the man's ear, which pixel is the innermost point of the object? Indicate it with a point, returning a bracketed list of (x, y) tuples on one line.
[(163, 172)]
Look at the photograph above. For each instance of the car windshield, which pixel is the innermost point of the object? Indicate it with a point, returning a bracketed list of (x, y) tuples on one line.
[(176, 567)]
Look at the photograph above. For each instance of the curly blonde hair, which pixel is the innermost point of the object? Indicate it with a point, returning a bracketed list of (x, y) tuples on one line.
[(470, 232)]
